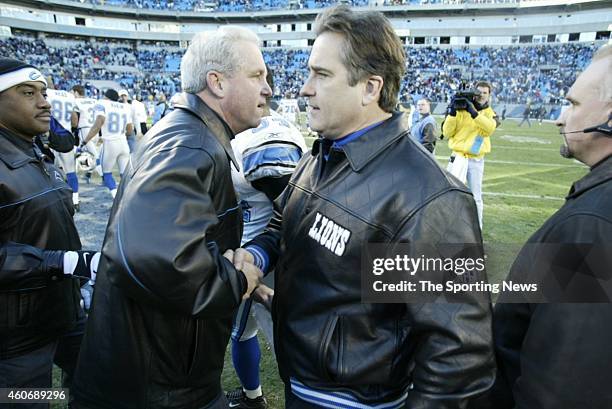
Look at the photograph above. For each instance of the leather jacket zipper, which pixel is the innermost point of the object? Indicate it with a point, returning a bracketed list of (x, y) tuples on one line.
[(40, 160)]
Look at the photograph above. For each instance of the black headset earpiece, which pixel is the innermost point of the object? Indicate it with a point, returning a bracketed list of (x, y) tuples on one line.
[(605, 128)]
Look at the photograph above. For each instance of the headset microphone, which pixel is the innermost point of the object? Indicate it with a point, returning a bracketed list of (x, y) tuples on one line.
[(565, 152), (604, 128)]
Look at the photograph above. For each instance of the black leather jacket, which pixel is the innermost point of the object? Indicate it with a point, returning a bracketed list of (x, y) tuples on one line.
[(36, 303), (165, 296), (381, 188), (557, 355)]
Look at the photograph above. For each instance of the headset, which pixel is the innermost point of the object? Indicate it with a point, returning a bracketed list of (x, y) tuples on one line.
[(604, 128)]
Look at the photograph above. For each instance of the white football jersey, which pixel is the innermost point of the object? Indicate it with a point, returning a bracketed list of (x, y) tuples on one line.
[(273, 149), (117, 115), (85, 108), (62, 104), (290, 110), (139, 112)]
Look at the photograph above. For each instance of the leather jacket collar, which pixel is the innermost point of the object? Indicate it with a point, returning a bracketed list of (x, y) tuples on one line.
[(219, 128), (365, 148), (599, 174), (14, 151)]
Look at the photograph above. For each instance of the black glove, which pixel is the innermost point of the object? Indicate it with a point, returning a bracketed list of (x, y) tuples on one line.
[(81, 263), (472, 109), (452, 111), (75, 133)]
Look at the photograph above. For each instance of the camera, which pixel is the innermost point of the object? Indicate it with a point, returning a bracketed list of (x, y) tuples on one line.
[(464, 95)]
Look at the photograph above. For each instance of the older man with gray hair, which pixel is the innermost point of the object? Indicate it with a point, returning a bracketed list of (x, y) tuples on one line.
[(556, 354), (165, 294)]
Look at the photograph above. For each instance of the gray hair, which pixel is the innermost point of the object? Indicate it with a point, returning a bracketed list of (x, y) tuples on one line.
[(213, 50)]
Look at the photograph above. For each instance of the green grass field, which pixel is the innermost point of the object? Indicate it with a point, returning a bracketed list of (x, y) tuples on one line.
[(525, 182)]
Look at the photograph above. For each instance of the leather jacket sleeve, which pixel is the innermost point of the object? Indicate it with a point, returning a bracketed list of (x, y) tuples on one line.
[(157, 249), (454, 358), (26, 267)]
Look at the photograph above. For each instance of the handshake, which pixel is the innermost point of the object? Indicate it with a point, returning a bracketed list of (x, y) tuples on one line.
[(244, 261)]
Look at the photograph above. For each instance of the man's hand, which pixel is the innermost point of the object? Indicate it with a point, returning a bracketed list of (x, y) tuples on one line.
[(242, 256), (253, 276), (263, 295), (472, 109), (243, 261)]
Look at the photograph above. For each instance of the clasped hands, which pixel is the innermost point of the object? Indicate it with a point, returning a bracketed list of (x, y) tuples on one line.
[(244, 261)]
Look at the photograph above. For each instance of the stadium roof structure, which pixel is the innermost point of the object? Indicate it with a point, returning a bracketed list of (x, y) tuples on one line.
[(405, 11)]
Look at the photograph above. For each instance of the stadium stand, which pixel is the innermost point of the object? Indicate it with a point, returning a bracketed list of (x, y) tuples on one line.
[(520, 74), (261, 5)]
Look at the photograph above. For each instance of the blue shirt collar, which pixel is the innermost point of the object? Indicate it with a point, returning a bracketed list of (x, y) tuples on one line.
[(338, 143)]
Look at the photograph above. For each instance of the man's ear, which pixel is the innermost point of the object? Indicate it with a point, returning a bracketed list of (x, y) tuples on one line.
[(214, 82), (372, 90)]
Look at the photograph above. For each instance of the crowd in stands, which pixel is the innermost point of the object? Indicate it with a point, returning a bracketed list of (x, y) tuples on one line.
[(539, 73), (520, 74), (142, 71), (259, 5)]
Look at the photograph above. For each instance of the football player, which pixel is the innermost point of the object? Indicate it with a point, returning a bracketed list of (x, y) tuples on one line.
[(113, 119), (62, 105), (267, 156)]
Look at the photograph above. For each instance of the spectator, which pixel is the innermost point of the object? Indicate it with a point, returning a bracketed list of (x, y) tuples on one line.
[(161, 108), (425, 130)]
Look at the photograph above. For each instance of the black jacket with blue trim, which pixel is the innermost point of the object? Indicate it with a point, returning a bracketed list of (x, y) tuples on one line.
[(165, 296), (380, 188), (37, 304)]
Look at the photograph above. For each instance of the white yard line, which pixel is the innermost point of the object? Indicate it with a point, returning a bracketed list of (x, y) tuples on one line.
[(509, 162), (525, 148), (520, 196)]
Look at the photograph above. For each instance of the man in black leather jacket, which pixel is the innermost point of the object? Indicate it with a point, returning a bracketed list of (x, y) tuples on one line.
[(556, 354), (165, 295), (39, 298), (366, 181)]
